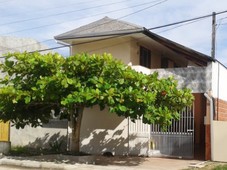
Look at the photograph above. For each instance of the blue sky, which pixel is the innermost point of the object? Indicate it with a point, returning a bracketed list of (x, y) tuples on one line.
[(43, 19)]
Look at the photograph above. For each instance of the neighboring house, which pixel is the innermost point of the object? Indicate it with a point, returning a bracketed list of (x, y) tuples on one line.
[(17, 44), (32, 137), (200, 132)]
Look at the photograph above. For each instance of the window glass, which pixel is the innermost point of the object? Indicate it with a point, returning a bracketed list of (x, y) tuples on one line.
[(145, 57)]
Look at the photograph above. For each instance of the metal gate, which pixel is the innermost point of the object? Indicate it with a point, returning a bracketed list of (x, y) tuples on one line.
[(177, 141)]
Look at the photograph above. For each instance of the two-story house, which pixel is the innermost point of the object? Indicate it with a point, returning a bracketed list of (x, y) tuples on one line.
[(198, 134)]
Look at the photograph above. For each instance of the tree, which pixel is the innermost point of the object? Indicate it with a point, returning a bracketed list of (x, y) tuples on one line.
[(34, 85)]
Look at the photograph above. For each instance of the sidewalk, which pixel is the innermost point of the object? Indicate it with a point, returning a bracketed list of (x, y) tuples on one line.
[(66, 162)]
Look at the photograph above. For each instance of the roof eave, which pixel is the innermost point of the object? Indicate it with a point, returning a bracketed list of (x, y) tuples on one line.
[(178, 48), (107, 34)]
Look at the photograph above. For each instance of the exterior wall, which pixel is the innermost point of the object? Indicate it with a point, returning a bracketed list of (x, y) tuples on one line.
[(216, 136), (219, 141), (220, 109), (219, 81), (124, 49), (40, 137), (102, 131), (198, 79), (4, 147), (219, 91), (139, 139), (119, 48)]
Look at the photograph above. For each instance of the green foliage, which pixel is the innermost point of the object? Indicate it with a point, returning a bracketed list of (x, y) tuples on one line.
[(220, 167), (34, 85)]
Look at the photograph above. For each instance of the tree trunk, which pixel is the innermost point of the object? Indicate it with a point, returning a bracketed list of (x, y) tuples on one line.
[(75, 125)]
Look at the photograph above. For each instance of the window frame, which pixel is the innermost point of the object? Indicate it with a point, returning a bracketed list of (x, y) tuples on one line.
[(145, 57)]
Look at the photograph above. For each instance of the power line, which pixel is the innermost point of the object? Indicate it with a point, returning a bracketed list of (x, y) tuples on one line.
[(192, 20), (125, 15), (188, 20), (110, 21), (47, 9), (47, 25), (63, 46), (62, 13), (158, 27), (178, 26)]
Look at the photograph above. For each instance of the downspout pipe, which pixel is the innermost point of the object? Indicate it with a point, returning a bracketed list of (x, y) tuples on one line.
[(211, 123)]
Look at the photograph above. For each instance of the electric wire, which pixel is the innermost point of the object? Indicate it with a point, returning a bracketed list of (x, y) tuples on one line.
[(178, 26), (153, 28), (47, 25), (106, 22), (62, 13), (52, 8), (188, 20)]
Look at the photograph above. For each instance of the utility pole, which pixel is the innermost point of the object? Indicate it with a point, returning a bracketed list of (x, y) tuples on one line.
[(213, 35)]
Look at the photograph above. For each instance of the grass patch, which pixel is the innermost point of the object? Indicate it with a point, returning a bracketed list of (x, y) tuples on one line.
[(211, 166), (27, 151), (220, 167)]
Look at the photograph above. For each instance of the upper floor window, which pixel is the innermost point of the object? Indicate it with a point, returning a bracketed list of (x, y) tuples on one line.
[(145, 57), (164, 63)]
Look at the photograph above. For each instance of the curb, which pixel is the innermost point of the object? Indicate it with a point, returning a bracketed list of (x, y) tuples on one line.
[(36, 164), (56, 166)]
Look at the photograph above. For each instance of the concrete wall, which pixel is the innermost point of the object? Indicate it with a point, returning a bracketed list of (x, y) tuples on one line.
[(40, 137), (4, 147), (198, 79), (102, 131), (219, 141)]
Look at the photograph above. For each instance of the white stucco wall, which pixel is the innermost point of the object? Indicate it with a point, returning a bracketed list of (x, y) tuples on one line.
[(219, 81), (40, 137), (219, 141), (102, 131)]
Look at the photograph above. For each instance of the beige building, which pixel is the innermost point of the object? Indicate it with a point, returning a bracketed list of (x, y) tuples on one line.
[(198, 134)]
